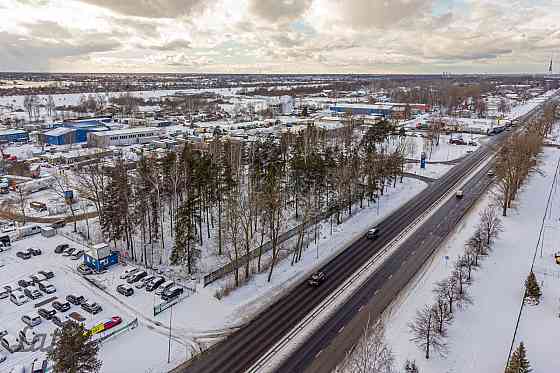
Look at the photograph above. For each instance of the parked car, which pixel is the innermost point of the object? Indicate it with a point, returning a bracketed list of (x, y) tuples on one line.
[(4, 293), (459, 194), (144, 282), (58, 322), (33, 251), (84, 269), (317, 279), (2, 357), (155, 283), (45, 313), (23, 255), (125, 290), (93, 308), (69, 251), (10, 343), (28, 336), (372, 233), (37, 278), (47, 274), (25, 282), (39, 366), (61, 306), (32, 293), (60, 248), (31, 320), (163, 287), (46, 287), (75, 300), (137, 276), (3, 332), (77, 255), (18, 298), (18, 369), (490, 173), (172, 293), (9, 227), (128, 272)]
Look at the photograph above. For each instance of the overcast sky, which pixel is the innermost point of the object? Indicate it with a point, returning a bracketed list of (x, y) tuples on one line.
[(280, 36)]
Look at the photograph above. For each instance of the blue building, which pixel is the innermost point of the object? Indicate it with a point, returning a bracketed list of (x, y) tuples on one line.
[(100, 257), (14, 136), (363, 109), (60, 136)]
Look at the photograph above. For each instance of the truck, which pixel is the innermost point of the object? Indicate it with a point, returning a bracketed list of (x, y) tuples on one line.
[(38, 206)]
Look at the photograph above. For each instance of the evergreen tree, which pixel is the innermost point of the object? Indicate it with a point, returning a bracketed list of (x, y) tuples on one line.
[(518, 362), (74, 351), (532, 290)]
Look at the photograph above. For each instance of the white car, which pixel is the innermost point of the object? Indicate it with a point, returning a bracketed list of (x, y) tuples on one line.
[(129, 272), (9, 227)]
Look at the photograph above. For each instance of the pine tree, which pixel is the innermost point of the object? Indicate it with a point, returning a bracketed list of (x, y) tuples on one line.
[(410, 367), (532, 290), (518, 362), (74, 351)]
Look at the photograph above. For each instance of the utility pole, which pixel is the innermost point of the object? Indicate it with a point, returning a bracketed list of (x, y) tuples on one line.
[(169, 345)]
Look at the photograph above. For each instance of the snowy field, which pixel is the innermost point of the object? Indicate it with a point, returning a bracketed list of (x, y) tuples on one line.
[(480, 336), (444, 151)]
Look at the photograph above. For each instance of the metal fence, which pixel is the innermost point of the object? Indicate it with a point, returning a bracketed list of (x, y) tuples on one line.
[(159, 308)]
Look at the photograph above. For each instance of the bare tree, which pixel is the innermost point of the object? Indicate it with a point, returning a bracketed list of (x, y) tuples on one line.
[(424, 332), (60, 186), (22, 198), (490, 223), (371, 354), (442, 315)]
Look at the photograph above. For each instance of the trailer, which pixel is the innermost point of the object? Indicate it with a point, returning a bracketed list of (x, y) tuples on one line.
[(28, 230)]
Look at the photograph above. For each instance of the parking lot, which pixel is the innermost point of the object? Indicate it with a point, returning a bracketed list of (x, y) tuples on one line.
[(16, 267)]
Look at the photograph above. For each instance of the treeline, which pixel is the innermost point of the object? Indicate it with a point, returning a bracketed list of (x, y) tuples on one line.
[(429, 327), (239, 196)]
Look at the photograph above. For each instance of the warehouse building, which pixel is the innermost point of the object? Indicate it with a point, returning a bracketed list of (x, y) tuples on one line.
[(59, 136), (363, 109), (12, 135), (124, 137)]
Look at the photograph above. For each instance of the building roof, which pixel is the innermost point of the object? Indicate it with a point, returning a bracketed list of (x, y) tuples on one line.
[(12, 132), (130, 131), (364, 106), (60, 131)]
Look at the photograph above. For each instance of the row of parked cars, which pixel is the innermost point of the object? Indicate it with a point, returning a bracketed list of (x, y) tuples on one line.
[(71, 252), (142, 280), (27, 254), (29, 288)]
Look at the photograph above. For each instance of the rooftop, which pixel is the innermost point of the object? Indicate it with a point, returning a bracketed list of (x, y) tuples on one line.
[(129, 131)]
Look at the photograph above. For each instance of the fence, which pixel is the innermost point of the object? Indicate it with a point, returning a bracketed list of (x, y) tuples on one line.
[(159, 308)]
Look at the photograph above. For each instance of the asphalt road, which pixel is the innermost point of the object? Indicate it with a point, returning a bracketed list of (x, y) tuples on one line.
[(326, 348)]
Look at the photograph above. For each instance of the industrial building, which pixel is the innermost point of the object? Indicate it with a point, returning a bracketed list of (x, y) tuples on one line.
[(363, 109), (12, 135), (124, 137)]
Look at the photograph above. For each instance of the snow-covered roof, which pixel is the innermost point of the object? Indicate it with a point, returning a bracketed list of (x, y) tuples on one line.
[(60, 131)]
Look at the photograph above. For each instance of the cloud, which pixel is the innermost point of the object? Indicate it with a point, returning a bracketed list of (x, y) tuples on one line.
[(47, 29), (173, 45), (279, 11), (151, 8)]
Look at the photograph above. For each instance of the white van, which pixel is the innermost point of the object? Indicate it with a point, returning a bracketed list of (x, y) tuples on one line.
[(18, 298), (10, 343), (166, 285)]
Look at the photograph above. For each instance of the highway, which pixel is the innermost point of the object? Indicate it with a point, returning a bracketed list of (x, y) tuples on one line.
[(329, 344)]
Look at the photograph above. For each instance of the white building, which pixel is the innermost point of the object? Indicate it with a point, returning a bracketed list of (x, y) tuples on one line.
[(124, 137)]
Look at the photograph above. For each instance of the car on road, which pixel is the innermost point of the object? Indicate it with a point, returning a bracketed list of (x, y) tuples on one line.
[(31, 320), (61, 306), (69, 251), (172, 293), (32, 293), (93, 308), (76, 300), (10, 343), (125, 290), (490, 173), (472, 143), (317, 279), (155, 283), (23, 255), (46, 287), (459, 193), (60, 248), (373, 233), (46, 313), (137, 276)]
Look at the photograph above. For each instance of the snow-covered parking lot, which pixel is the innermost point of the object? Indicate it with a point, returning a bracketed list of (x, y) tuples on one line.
[(68, 281)]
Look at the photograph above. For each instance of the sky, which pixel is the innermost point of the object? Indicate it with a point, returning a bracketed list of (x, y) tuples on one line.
[(280, 36)]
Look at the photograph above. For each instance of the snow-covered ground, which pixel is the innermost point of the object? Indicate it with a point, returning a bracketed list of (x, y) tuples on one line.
[(444, 151), (480, 336)]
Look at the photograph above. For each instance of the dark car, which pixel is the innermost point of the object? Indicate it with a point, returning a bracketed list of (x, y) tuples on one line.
[(155, 283), (23, 255), (75, 300), (373, 233), (172, 293), (60, 248), (47, 274), (61, 306), (137, 277), (317, 279), (125, 290), (34, 251), (91, 307), (25, 282), (45, 313), (58, 322)]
